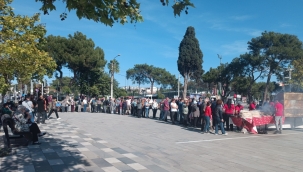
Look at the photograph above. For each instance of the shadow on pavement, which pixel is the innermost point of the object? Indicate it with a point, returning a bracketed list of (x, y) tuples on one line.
[(52, 154)]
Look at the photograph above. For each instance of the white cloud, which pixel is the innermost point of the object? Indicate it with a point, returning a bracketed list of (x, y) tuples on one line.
[(285, 25), (235, 48), (241, 18)]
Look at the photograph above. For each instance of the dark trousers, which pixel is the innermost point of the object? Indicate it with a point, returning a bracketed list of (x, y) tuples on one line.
[(194, 121), (173, 116), (93, 108), (99, 108), (41, 115), (135, 110), (203, 122), (51, 111), (154, 113), (35, 130), (72, 109), (139, 113), (226, 121)]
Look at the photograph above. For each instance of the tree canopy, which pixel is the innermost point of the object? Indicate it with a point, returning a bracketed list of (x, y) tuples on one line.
[(190, 58), (144, 73), (20, 37), (109, 12), (278, 51)]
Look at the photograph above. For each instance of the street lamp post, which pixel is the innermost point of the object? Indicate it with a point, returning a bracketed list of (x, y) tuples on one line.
[(220, 57), (112, 77)]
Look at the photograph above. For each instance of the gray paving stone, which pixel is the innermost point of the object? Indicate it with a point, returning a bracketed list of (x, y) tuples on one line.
[(126, 160), (119, 150), (101, 162), (27, 168), (52, 155), (42, 166)]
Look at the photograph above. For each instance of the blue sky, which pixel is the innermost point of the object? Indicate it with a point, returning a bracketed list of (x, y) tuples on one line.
[(222, 27)]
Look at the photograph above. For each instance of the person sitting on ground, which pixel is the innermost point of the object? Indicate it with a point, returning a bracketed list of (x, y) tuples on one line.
[(6, 109), (23, 122)]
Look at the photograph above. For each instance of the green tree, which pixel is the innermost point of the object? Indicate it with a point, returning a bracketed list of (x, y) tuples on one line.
[(20, 37), (113, 65), (252, 68), (278, 50), (84, 59), (56, 47), (190, 57), (136, 76), (66, 90), (154, 75), (109, 12)]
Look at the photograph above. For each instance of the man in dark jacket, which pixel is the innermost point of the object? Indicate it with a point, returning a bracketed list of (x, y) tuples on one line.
[(41, 109)]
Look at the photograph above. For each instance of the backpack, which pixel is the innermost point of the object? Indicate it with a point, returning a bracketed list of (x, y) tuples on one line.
[(58, 104)]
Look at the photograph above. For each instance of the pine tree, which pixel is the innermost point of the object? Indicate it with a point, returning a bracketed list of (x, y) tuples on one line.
[(190, 58)]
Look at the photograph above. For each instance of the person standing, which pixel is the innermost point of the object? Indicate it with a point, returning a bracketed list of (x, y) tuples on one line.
[(84, 104), (128, 104), (196, 113), (53, 109), (134, 107), (146, 108), (41, 109), (278, 117), (118, 105), (29, 105), (49, 100), (229, 110), (112, 105), (165, 109), (72, 104), (219, 118), (185, 112), (207, 117), (79, 105), (139, 108), (99, 102), (174, 110), (155, 108)]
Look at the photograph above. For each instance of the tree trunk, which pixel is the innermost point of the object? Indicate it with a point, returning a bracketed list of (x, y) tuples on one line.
[(185, 86), (152, 87), (266, 87)]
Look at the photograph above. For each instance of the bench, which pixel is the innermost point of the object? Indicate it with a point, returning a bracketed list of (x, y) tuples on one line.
[(9, 122)]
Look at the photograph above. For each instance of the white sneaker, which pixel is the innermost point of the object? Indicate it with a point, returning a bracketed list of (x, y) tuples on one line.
[(225, 134), (47, 118), (58, 118)]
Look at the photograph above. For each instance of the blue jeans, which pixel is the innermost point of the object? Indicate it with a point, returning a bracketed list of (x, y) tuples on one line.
[(219, 122), (84, 107), (206, 127), (32, 117), (147, 112), (161, 114)]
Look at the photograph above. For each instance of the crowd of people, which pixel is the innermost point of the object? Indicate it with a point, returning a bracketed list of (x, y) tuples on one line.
[(210, 115)]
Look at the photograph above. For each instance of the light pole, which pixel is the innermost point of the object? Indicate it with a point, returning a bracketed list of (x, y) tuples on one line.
[(112, 77), (220, 57), (289, 69)]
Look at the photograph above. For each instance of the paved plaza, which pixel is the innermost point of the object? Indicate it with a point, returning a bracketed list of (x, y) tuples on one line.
[(109, 142)]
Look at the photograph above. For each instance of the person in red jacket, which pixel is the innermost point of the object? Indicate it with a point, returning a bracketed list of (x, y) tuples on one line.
[(278, 116), (207, 117), (229, 110), (252, 106)]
